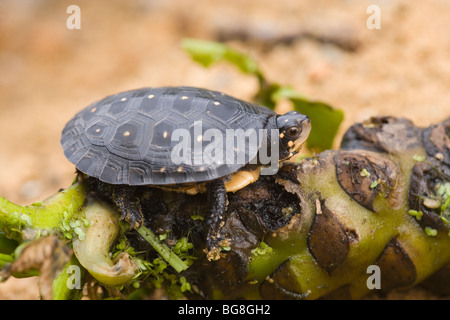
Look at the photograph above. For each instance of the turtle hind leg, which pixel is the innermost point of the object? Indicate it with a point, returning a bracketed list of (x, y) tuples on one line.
[(129, 205), (217, 198)]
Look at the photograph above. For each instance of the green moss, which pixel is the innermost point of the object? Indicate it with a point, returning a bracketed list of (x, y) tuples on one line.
[(417, 214), (364, 173), (263, 249), (419, 158), (430, 232)]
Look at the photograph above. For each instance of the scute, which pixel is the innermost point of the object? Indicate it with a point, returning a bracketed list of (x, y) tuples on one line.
[(127, 138)]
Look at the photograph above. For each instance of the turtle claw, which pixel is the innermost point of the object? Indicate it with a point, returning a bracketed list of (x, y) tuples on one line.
[(215, 248), (132, 219)]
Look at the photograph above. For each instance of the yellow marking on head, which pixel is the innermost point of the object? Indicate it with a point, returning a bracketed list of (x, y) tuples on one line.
[(281, 135), (290, 143), (299, 143)]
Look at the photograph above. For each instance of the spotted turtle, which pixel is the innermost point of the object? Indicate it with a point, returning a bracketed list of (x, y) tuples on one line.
[(180, 138)]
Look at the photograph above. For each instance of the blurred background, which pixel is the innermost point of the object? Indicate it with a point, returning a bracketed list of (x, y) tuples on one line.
[(322, 48)]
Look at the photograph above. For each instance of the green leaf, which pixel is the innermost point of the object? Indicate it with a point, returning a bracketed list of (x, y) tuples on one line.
[(325, 120), (209, 52), (266, 93)]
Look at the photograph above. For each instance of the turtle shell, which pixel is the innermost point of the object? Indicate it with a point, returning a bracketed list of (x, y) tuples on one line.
[(129, 138)]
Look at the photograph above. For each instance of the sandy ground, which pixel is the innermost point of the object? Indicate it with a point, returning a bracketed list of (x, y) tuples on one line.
[(49, 72)]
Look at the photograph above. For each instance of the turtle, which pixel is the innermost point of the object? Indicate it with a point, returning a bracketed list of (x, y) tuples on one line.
[(180, 138)]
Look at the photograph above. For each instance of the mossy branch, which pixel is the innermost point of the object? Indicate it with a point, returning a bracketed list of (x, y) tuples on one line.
[(308, 232), (24, 222)]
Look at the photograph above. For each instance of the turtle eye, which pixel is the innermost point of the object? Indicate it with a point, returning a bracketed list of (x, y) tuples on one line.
[(293, 131)]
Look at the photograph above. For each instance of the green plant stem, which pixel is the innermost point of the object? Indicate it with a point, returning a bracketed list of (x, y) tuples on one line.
[(40, 216), (14, 219), (5, 259), (165, 252), (64, 287), (7, 246)]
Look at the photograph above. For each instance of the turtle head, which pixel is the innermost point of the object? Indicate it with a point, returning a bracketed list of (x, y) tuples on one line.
[(294, 129)]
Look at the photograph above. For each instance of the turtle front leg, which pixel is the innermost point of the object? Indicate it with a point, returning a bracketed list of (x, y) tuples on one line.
[(129, 205), (217, 197)]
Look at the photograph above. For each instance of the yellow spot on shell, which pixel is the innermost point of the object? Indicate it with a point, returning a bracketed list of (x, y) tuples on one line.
[(126, 133), (151, 96)]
